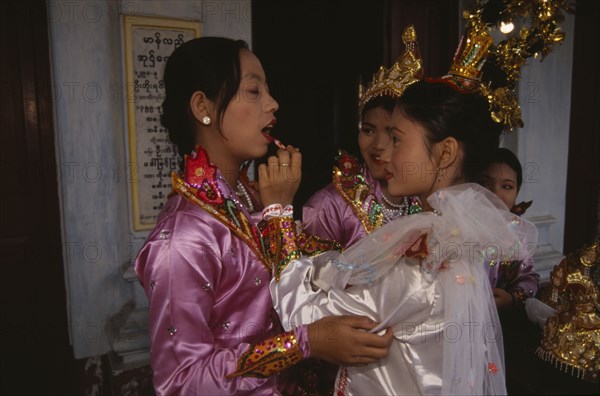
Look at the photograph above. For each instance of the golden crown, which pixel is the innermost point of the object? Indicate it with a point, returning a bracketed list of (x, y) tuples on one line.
[(477, 46), (393, 81)]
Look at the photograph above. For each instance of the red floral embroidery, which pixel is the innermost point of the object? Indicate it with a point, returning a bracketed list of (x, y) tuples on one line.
[(201, 174), (492, 368), (347, 163), (198, 168), (350, 168)]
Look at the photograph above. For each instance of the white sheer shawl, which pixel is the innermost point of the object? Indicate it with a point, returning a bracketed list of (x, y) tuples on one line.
[(424, 276)]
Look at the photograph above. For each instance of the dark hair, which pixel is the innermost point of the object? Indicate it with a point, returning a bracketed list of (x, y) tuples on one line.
[(444, 112), (502, 155), (208, 64), (386, 102)]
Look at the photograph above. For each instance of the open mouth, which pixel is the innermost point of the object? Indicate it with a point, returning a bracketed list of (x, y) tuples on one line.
[(266, 131), (268, 128), (376, 159)]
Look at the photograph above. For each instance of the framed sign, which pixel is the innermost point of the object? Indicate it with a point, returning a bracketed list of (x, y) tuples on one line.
[(148, 42)]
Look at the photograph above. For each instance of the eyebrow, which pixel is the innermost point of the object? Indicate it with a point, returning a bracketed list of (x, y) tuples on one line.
[(253, 76), (394, 129), (502, 180)]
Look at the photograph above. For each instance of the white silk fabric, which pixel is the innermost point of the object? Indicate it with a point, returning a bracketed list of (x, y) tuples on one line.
[(423, 276)]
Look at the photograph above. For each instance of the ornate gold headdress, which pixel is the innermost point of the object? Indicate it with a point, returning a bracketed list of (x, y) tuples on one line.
[(393, 81), (508, 56), (572, 335)]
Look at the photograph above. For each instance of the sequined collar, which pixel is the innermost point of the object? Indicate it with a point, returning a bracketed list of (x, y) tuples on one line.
[(200, 185), (350, 182)]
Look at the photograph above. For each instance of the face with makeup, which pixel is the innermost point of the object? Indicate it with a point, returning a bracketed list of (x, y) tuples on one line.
[(251, 113), (501, 179), (374, 138), (414, 164)]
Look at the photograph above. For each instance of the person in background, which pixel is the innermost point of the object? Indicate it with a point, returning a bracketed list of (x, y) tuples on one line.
[(512, 281), (357, 201)]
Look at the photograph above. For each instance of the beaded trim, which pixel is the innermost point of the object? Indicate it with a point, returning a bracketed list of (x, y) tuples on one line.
[(342, 382), (519, 295), (350, 183), (279, 234), (241, 191), (269, 357), (201, 187), (311, 245)]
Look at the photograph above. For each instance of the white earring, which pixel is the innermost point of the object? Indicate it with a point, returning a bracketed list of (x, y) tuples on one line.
[(206, 120)]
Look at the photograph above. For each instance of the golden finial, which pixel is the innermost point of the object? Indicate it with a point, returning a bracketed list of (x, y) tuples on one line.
[(407, 70)]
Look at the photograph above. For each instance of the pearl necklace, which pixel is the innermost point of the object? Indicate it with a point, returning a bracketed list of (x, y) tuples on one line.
[(242, 193), (396, 210), (393, 205)]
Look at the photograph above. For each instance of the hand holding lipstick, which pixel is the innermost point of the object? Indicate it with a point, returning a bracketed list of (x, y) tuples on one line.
[(279, 179), (267, 134), (271, 139)]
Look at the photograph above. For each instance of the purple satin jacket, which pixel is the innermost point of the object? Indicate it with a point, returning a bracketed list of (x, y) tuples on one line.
[(209, 301), (328, 216), (514, 275)]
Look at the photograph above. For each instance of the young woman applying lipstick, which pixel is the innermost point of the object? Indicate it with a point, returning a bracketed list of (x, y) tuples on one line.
[(358, 201), (207, 264)]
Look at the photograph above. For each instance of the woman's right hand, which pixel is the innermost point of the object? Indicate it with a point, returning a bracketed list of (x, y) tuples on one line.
[(279, 179), (345, 340)]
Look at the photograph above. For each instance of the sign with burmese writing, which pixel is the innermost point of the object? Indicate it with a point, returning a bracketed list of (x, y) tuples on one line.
[(149, 41)]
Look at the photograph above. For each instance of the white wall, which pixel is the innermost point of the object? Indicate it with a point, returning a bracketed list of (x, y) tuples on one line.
[(543, 144), (86, 58)]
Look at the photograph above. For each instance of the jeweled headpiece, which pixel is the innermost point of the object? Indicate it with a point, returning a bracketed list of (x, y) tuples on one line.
[(469, 58), (477, 47), (471, 54), (392, 82)]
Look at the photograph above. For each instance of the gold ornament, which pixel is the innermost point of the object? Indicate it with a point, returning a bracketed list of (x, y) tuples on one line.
[(572, 335), (476, 46), (471, 53), (407, 70)]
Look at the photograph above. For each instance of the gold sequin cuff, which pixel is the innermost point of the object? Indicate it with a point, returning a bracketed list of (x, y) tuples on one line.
[(519, 297), (279, 236), (269, 357), (311, 245)]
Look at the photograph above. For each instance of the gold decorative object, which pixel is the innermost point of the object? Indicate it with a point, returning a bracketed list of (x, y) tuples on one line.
[(407, 70), (572, 335), (477, 47)]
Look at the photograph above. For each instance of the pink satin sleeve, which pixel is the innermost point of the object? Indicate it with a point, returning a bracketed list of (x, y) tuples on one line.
[(328, 216)]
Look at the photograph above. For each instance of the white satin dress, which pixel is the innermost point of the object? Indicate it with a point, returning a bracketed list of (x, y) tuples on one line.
[(423, 276)]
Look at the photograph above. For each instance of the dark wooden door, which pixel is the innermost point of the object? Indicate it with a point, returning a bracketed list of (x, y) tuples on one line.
[(583, 177), (35, 357)]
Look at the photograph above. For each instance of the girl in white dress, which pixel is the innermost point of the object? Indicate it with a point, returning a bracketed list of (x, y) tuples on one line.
[(423, 276)]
